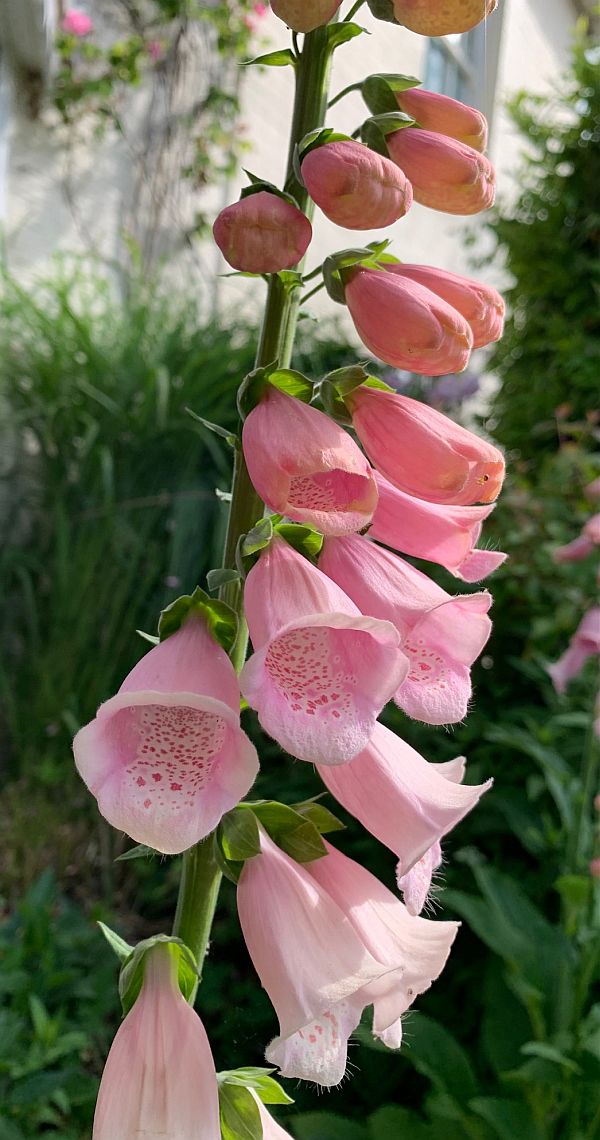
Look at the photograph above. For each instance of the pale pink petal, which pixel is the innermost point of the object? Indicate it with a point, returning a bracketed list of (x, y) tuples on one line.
[(271, 1130), (189, 661), (416, 883), (568, 666), (453, 770), (319, 1051), (478, 564), (587, 633), (574, 551), (592, 490), (437, 689), (392, 1036), (591, 529)]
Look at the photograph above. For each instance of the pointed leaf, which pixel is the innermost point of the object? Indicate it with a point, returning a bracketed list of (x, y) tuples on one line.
[(292, 383), (224, 433), (283, 58), (323, 819), (239, 835), (259, 1079), (297, 836), (121, 948), (338, 34), (305, 539), (509, 1118), (221, 577), (140, 851), (378, 91), (240, 1118)]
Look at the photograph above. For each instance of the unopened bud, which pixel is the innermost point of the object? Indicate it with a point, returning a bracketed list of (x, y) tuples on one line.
[(262, 233)]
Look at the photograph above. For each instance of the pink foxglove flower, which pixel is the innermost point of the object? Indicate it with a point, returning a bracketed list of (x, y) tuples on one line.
[(305, 466), (310, 961), (430, 18), (445, 174), (166, 756), (77, 23), (159, 1078), (305, 15), (321, 672), (441, 635), (592, 490), (271, 1130), (585, 643), (415, 950), (434, 112), (481, 305), (422, 451), (591, 530), (262, 233), (444, 534), (407, 325), (355, 187), (574, 551), (401, 799)]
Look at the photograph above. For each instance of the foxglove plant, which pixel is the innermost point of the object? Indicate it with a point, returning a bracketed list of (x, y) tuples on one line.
[(332, 643)]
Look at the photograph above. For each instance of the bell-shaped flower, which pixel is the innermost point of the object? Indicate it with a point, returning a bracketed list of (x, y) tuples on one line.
[(159, 1079), (354, 186), (401, 799), (262, 233), (423, 452), (321, 672), (407, 325), (430, 18), (445, 174), (585, 643), (443, 534), (166, 757), (305, 15), (305, 466), (435, 112), (441, 634), (415, 950), (481, 305), (310, 961)]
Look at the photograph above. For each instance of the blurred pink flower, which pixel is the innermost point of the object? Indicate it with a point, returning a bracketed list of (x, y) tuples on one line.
[(77, 23), (155, 49), (584, 643)]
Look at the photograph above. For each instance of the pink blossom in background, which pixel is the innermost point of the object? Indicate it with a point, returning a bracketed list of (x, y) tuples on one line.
[(435, 112), (159, 1078), (595, 868), (574, 551), (354, 186), (321, 672), (591, 530), (401, 799), (77, 23), (166, 756), (481, 305), (445, 174), (585, 643), (593, 489), (155, 50), (306, 467)]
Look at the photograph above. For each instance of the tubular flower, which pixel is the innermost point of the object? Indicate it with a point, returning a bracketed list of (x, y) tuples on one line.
[(262, 233), (355, 187), (310, 961), (480, 305), (423, 452), (307, 467), (321, 672), (442, 635), (305, 15), (414, 950), (447, 116), (430, 18), (166, 757), (407, 325), (401, 799), (445, 174), (159, 1079), (443, 534), (585, 643)]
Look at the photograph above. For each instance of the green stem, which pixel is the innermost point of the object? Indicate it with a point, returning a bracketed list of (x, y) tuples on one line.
[(343, 92), (317, 289), (201, 878)]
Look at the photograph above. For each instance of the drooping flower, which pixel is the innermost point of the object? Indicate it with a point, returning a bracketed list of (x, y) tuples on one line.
[(310, 961), (77, 23), (401, 799), (321, 672), (585, 643), (442, 635), (407, 325), (430, 18), (159, 1079), (166, 757), (445, 174), (415, 950), (305, 15), (435, 112), (444, 534), (574, 551), (480, 304), (422, 451), (306, 466), (354, 186), (262, 233)]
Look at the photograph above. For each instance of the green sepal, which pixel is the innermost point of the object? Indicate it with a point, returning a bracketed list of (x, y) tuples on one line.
[(323, 819), (256, 540), (379, 91), (287, 380), (291, 279), (305, 539), (132, 972), (239, 1115), (374, 130), (221, 577), (337, 385), (345, 380), (290, 830), (336, 266), (219, 617), (342, 33), (259, 1079), (383, 10), (224, 433), (230, 868), (151, 637), (140, 851), (312, 141), (282, 58), (260, 185), (121, 948), (239, 837)]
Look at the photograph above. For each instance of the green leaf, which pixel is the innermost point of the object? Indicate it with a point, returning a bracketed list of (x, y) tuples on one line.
[(297, 836), (239, 835), (338, 34), (394, 1123), (140, 851), (327, 1126), (258, 538), (435, 1053), (283, 58), (510, 1119), (345, 380), (259, 186), (292, 383), (224, 433), (549, 1052), (132, 972), (378, 91), (240, 1118), (323, 819), (221, 577), (374, 130), (259, 1079), (228, 867), (220, 618), (305, 539), (121, 948)]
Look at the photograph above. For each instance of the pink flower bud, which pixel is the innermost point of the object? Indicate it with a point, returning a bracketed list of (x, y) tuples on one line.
[(445, 174), (430, 18), (480, 305), (306, 467), (435, 112), (595, 868), (407, 325), (159, 1078), (423, 452), (262, 233), (355, 187), (305, 15), (166, 757), (77, 23), (321, 672)]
